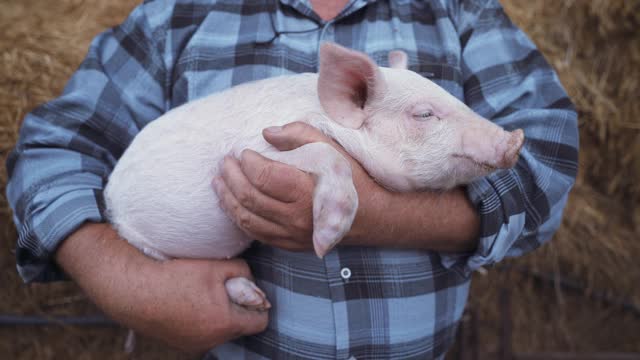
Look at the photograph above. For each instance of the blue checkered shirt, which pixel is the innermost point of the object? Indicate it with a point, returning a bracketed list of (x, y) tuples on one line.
[(363, 302)]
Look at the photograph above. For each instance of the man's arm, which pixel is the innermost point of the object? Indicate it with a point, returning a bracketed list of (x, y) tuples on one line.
[(182, 302), (272, 201), (438, 221)]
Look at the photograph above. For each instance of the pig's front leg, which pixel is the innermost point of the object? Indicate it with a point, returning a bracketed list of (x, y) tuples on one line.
[(335, 200)]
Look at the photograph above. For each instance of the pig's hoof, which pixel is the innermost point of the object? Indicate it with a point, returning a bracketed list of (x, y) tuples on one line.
[(333, 216), (245, 293)]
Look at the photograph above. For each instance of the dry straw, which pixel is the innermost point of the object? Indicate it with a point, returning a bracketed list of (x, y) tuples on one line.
[(594, 46)]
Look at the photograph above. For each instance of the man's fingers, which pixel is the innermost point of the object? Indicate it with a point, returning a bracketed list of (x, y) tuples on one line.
[(275, 179), (247, 195), (293, 135), (250, 321), (253, 225)]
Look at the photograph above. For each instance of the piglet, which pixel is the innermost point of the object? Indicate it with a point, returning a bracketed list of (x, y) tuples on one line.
[(407, 132)]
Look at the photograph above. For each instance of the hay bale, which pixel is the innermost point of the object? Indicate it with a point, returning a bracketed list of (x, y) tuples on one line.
[(594, 46)]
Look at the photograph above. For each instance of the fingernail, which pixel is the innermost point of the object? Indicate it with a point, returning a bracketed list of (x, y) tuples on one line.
[(274, 129)]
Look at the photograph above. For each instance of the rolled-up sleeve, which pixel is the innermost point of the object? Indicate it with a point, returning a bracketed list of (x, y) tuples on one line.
[(67, 147), (507, 80)]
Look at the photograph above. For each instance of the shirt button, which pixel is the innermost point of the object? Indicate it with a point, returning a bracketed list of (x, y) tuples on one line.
[(345, 273)]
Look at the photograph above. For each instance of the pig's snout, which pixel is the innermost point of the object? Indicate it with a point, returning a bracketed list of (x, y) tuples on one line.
[(491, 147), (512, 151)]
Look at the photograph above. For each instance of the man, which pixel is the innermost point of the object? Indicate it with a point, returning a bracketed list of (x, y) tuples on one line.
[(397, 286)]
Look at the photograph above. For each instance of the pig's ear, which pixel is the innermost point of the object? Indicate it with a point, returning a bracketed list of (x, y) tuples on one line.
[(398, 59), (348, 80)]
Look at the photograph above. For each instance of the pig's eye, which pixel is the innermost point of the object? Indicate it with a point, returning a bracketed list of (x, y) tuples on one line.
[(425, 116)]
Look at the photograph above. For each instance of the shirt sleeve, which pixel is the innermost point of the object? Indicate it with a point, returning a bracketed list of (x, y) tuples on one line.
[(507, 80), (67, 147)]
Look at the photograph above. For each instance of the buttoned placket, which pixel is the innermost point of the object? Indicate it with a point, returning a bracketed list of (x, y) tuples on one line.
[(335, 272)]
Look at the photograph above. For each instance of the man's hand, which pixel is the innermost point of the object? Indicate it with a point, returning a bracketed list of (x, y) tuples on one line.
[(182, 302), (272, 203)]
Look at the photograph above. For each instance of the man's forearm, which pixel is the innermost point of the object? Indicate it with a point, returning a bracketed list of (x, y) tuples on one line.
[(183, 302), (444, 221), (100, 262)]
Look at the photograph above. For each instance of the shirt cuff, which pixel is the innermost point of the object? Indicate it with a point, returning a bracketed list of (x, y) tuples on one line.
[(498, 232), (39, 238)]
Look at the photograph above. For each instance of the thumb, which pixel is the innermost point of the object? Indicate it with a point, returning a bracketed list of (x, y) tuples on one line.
[(293, 135), (250, 322)]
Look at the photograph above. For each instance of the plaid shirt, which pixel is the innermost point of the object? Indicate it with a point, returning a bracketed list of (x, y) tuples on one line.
[(361, 302)]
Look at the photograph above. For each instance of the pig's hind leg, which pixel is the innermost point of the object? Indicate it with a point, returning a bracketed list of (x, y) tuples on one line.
[(241, 291), (335, 200), (245, 292)]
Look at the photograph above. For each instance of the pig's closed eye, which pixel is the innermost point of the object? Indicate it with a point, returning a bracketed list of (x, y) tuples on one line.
[(425, 116)]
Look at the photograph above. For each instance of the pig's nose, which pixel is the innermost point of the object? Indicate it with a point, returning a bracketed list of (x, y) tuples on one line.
[(514, 144)]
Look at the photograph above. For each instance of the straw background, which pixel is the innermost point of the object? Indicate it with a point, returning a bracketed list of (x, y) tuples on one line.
[(595, 47)]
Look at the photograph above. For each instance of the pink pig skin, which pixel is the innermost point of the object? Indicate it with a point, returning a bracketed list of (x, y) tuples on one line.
[(406, 131)]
